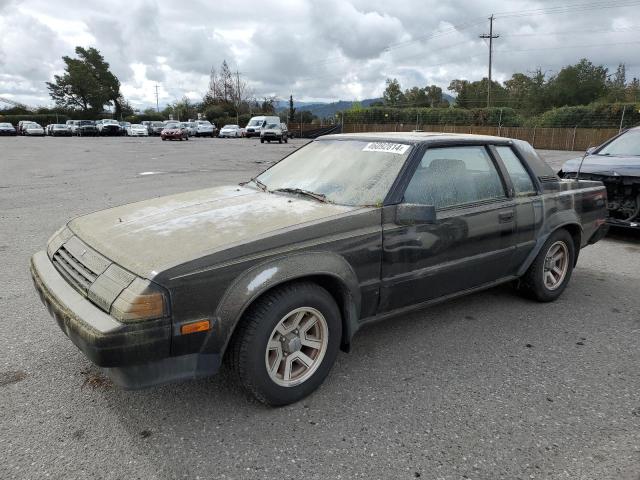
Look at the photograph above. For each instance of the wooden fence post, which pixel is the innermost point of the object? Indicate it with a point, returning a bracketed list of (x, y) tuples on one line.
[(573, 142), (533, 140)]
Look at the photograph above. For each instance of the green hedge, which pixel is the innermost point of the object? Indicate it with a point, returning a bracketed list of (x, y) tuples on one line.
[(590, 116), (436, 116)]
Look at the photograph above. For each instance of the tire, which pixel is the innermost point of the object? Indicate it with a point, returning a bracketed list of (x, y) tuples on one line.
[(186, 138), (286, 140), (280, 140), (163, 139), (262, 140), (249, 353), (536, 283)]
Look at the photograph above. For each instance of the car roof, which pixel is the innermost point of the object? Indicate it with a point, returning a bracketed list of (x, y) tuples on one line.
[(416, 137)]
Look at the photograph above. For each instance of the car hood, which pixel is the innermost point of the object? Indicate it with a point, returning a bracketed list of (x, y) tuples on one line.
[(149, 236), (624, 166)]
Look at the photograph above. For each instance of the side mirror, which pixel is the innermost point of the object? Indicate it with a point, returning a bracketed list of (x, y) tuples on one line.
[(590, 150), (415, 214)]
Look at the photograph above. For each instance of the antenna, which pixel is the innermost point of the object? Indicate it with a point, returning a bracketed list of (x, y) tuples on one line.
[(580, 166)]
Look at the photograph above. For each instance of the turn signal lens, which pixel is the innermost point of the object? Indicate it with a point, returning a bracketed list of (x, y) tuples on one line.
[(141, 300), (199, 326)]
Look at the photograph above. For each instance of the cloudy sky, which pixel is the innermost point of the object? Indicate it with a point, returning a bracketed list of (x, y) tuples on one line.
[(315, 50)]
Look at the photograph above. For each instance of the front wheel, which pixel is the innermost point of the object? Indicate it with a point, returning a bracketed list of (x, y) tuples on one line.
[(287, 343), (549, 274), (262, 140)]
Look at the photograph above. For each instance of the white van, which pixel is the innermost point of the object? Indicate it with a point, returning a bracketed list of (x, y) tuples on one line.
[(254, 127)]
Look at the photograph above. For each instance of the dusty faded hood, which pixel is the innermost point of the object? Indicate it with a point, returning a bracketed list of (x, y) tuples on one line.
[(605, 165), (146, 236)]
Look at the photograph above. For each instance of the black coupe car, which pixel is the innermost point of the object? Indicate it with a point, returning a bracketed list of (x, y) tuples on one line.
[(274, 276)]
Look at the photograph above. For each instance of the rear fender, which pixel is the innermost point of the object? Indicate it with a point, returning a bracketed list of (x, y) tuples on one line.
[(563, 219)]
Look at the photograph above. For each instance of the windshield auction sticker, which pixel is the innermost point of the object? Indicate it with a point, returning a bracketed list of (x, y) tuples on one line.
[(386, 147)]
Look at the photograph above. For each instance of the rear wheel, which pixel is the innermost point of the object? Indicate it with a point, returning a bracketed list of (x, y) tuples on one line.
[(551, 270), (286, 343)]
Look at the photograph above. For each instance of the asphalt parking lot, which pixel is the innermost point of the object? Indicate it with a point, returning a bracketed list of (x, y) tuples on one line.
[(489, 386)]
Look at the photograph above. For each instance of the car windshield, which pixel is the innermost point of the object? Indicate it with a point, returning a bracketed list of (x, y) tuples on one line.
[(86, 122), (254, 123), (136, 125), (346, 172), (203, 123), (158, 124), (6, 125), (172, 125), (626, 144), (230, 127), (110, 122)]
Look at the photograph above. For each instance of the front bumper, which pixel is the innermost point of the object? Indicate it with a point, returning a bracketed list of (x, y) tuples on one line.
[(616, 222), (134, 355), (104, 340)]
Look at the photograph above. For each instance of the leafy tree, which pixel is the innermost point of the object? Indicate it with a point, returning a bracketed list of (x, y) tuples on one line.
[(433, 95), (268, 105), (632, 91), (416, 97), (617, 84), (393, 95), (87, 83), (578, 84), (305, 116)]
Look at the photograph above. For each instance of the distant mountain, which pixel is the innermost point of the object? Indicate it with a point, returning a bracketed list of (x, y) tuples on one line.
[(326, 110)]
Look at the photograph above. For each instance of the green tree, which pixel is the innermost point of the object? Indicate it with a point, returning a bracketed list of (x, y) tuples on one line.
[(87, 83), (617, 84), (292, 110), (305, 116), (393, 95), (632, 92), (578, 84), (415, 97), (433, 95)]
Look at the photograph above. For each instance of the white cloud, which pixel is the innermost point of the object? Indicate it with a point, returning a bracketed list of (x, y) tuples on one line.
[(334, 49)]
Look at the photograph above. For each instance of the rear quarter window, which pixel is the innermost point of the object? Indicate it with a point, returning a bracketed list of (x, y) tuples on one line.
[(522, 183)]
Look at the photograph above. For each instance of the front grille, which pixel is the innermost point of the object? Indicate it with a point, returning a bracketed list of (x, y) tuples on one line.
[(79, 276), (79, 264)]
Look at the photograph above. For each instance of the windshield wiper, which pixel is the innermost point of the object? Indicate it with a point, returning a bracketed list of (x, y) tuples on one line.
[(258, 183), (318, 196)]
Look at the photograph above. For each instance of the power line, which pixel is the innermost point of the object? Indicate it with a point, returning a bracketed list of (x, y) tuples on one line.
[(562, 9)]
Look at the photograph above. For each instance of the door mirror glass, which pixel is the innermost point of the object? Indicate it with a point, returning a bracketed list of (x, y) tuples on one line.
[(415, 214)]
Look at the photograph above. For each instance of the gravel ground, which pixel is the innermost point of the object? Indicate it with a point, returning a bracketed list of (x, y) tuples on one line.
[(489, 386)]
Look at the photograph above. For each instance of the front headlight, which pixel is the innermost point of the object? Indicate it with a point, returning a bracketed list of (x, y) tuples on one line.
[(141, 300)]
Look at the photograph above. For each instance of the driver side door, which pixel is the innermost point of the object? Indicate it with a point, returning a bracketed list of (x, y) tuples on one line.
[(469, 244)]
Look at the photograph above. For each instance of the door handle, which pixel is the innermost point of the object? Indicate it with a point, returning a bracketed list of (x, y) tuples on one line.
[(505, 217)]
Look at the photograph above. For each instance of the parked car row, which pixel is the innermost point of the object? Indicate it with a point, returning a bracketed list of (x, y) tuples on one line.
[(268, 128)]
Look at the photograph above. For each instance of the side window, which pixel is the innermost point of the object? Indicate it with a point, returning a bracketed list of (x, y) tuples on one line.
[(454, 176), (522, 183)]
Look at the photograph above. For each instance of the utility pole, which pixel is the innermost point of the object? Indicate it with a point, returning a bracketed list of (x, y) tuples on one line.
[(490, 36), (157, 104), (238, 99)]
